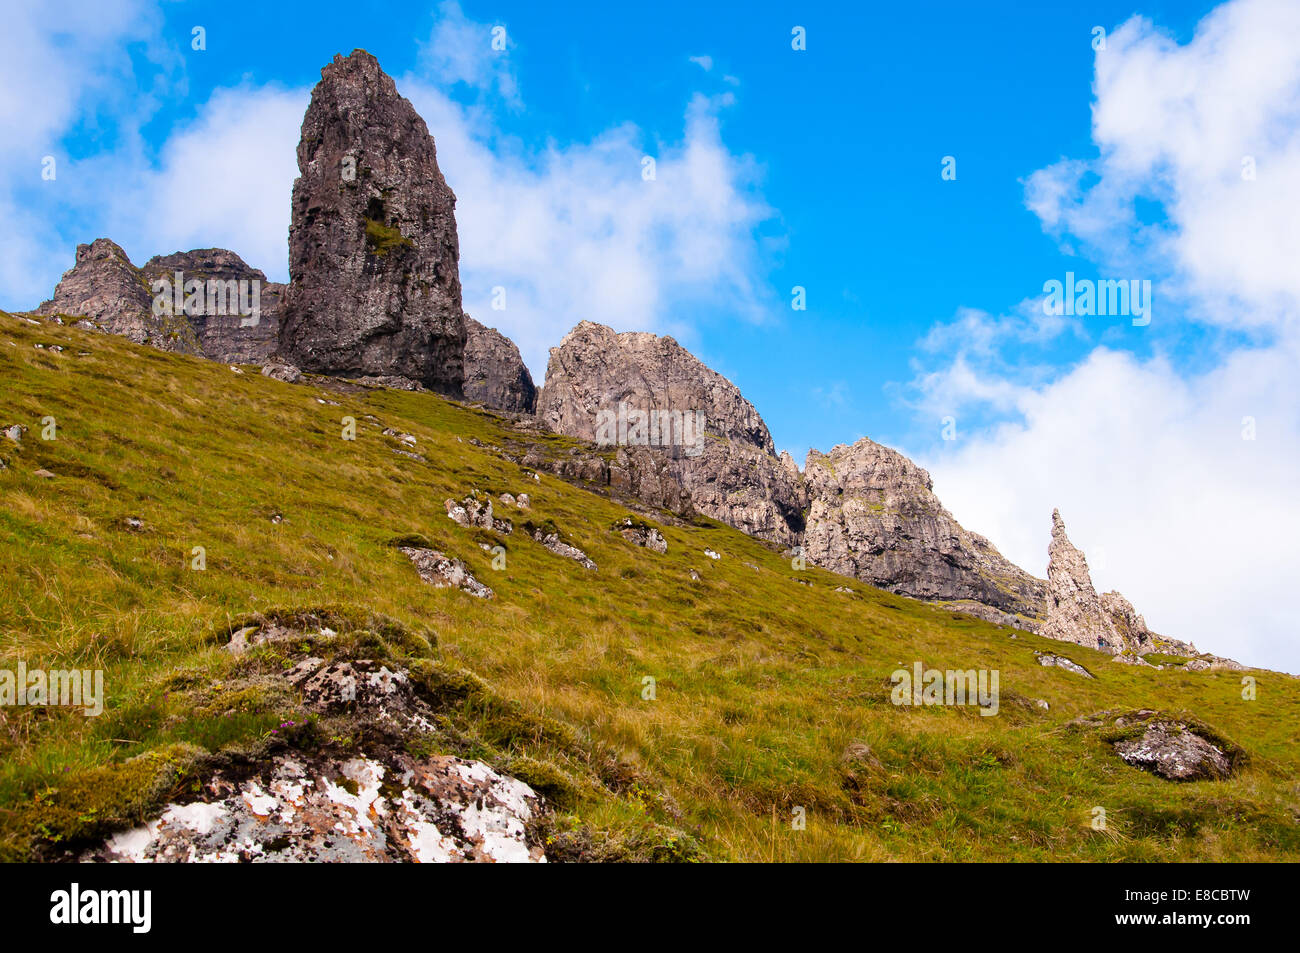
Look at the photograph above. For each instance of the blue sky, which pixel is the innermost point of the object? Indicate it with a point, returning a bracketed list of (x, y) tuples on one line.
[(818, 168)]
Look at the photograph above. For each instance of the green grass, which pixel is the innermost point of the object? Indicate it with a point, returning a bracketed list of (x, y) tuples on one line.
[(761, 683)]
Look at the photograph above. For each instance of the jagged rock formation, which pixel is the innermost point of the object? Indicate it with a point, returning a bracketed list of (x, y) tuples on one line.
[(1074, 610), (212, 304), (1076, 613), (874, 515), (495, 374), (114, 296), (374, 283), (241, 321), (641, 390)]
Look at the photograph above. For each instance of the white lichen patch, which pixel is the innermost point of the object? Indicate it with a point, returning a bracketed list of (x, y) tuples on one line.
[(363, 809)]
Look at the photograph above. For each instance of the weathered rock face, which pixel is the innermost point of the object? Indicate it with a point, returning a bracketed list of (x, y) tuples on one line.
[(1173, 748), (374, 283), (495, 374), (638, 390), (240, 317), (874, 515), (224, 309), (594, 370), (110, 292)]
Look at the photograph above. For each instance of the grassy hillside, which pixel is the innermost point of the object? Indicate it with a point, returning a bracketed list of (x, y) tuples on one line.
[(765, 677)]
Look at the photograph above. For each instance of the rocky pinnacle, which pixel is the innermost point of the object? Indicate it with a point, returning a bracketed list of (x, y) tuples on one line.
[(374, 285)]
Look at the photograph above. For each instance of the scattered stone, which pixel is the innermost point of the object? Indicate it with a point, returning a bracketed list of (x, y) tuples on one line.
[(523, 501), (640, 534), (281, 370), (391, 382), (711, 554), (405, 438), (444, 572), (268, 633), (550, 538), (1059, 661), (14, 432), (409, 454), (695, 576), (474, 512), (43, 474)]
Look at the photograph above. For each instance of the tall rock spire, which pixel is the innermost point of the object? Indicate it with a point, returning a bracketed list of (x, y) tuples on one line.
[(374, 283)]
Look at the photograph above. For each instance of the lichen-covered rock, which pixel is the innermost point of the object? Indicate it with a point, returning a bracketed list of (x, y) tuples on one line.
[(1059, 661), (1175, 752), (874, 515), (374, 283), (114, 296), (444, 572), (240, 321), (550, 538), (306, 808), (281, 370), (495, 374), (472, 511), (640, 533)]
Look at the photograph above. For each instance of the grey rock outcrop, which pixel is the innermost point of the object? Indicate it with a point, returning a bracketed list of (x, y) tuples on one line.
[(241, 315), (374, 283), (114, 296), (495, 374), (874, 515), (638, 390)]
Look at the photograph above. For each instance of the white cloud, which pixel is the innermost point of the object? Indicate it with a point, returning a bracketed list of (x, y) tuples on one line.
[(67, 70), (703, 62), (1146, 458), (577, 232), (223, 181), (459, 50)]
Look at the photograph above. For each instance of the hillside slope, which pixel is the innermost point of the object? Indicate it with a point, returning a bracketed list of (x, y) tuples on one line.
[(771, 685)]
